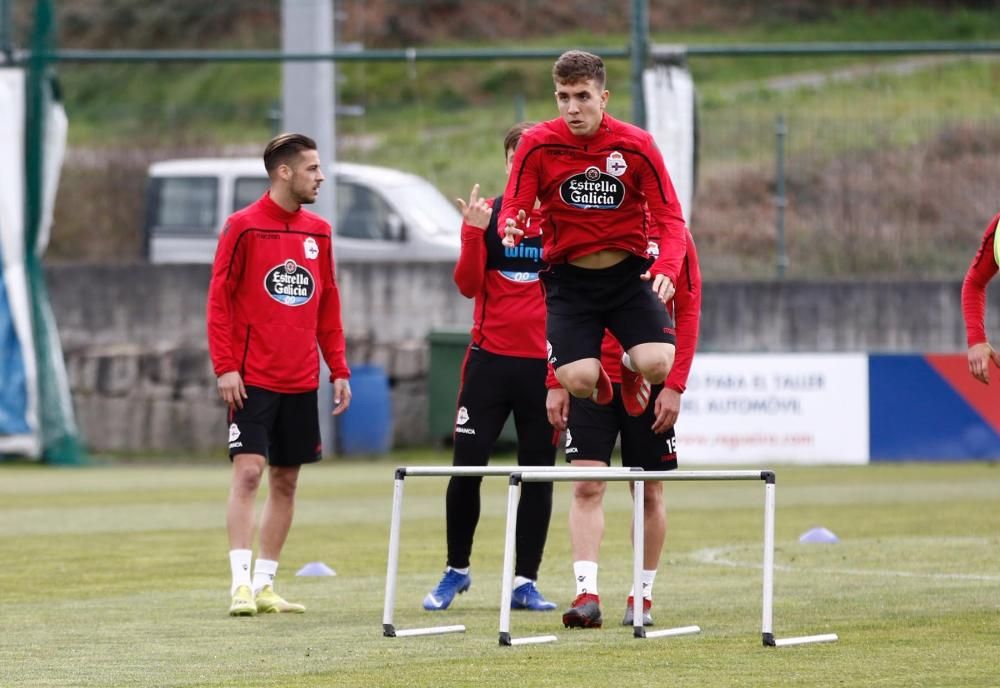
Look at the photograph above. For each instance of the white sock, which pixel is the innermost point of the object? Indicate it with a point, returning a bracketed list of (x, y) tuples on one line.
[(264, 571), (627, 362), (646, 579), (464, 572), (521, 580), (586, 577), (239, 565)]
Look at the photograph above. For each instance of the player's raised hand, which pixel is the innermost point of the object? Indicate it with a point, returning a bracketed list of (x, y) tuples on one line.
[(515, 229), (477, 211)]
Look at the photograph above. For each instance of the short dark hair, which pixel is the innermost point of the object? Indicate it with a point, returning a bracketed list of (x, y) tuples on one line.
[(575, 66), (513, 136), (283, 148)]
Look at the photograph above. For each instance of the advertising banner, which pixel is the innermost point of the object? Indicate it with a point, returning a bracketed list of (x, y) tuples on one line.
[(775, 408)]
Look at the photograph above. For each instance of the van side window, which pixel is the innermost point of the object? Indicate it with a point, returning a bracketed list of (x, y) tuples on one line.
[(362, 214), (248, 190), (187, 204)]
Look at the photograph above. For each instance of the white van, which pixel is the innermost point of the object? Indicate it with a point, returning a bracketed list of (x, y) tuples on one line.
[(382, 214)]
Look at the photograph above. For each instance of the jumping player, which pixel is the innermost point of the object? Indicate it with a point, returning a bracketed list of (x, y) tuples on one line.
[(595, 177)]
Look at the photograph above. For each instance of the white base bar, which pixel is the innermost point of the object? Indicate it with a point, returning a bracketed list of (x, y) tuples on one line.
[(535, 640), (805, 639), (433, 630), (680, 630)]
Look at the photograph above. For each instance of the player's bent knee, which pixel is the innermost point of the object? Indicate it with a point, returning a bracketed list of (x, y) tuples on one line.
[(657, 368), (579, 384), (588, 491)]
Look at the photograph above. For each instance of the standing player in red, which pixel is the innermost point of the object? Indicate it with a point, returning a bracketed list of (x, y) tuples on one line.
[(647, 441), (504, 372), (595, 177), (983, 267), (272, 297)]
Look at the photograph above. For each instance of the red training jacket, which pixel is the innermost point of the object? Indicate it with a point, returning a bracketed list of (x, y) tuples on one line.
[(509, 311), (272, 296), (593, 192), (983, 267)]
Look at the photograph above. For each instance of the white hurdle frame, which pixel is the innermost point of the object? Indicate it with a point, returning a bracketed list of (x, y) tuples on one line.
[(392, 568), (621, 475)]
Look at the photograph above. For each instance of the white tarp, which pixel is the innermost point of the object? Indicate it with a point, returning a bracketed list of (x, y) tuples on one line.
[(782, 408), (670, 118), (19, 393)]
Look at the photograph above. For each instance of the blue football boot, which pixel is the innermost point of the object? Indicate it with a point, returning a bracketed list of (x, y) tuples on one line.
[(453, 583)]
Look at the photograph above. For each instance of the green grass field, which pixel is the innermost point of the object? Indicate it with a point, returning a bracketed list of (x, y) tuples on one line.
[(117, 576)]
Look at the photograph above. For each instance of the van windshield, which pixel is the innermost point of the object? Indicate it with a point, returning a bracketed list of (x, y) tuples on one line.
[(428, 206)]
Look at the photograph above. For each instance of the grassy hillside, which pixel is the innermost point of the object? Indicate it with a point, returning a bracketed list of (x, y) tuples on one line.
[(445, 120)]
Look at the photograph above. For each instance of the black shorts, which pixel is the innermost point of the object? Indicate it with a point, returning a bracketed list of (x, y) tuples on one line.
[(593, 429), (580, 303), (284, 428), (493, 387)]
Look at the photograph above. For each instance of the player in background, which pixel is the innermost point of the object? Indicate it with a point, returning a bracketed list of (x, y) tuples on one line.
[(504, 372), (982, 270), (647, 441), (272, 297), (595, 177)]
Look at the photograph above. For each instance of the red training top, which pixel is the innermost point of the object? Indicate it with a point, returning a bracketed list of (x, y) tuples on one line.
[(272, 296), (983, 267), (593, 191), (509, 316)]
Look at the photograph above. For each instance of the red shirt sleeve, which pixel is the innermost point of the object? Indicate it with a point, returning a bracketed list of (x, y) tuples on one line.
[(470, 270), (980, 272), (687, 316), (226, 271), (664, 212), (330, 329), (522, 183), (551, 381)]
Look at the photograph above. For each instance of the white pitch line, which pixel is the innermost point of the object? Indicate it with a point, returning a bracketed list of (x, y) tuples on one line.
[(716, 555)]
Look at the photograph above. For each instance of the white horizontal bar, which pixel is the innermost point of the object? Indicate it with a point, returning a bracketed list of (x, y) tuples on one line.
[(680, 630), (804, 639), (433, 630), (534, 640), (619, 474), (418, 471)]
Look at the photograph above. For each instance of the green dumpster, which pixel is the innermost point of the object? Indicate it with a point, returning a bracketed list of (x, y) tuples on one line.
[(447, 350)]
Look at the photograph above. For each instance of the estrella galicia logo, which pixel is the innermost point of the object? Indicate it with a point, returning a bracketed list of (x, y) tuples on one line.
[(592, 189), (290, 284)]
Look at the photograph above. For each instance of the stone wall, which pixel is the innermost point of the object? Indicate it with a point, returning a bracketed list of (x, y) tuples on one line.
[(134, 337)]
